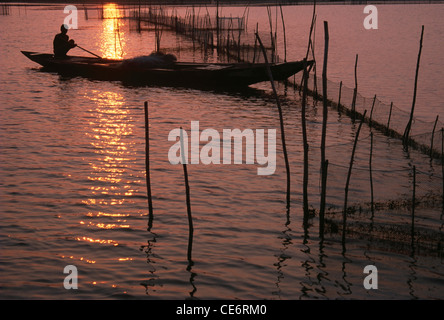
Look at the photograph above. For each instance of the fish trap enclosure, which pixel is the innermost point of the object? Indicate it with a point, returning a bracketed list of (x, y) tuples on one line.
[(229, 36), (388, 119), (377, 188), (403, 207), (393, 199)]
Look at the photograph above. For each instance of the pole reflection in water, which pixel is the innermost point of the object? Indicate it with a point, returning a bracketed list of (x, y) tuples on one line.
[(322, 275), (192, 276), (307, 285), (346, 286), (150, 283), (412, 277), (282, 257)]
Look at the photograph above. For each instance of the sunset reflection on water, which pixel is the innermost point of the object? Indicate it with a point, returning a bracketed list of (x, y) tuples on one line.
[(112, 40), (110, 123), (111, 181)]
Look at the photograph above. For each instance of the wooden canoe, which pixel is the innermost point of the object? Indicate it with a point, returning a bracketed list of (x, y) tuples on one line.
[(169, 74)]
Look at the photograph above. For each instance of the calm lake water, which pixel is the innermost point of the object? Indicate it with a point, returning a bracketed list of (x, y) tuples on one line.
[(72, 172)]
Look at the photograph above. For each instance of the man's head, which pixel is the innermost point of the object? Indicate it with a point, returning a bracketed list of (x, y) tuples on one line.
[(64, 28)]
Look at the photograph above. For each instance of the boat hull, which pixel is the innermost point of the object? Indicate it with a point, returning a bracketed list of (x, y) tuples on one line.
[(175, 74)]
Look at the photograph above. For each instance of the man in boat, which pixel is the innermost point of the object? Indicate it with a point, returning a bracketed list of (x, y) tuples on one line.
[(61, 43)]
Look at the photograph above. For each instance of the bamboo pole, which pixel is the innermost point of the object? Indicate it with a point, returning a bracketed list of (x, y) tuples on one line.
[(255, 43), (187, 194), (409, 124), (324, 184), (147, 166), (371, 175), (281, 120), (239, 46), (285, 37), (275, 33), (305, 145), (315, 77), (139, 28), (355, 91), (313, 18), (324, 132), (340, 92), (270, 21), (433, 136), (390, 115), (309, 46), (344, 218), (371, 111), (304, 88), (413, 205), (85, 11), (217, 26)]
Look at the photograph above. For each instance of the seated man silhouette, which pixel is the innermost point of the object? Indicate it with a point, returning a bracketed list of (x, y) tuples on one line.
[(61, 43)]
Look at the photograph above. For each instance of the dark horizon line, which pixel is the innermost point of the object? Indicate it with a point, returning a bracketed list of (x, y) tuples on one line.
[(223, 2)]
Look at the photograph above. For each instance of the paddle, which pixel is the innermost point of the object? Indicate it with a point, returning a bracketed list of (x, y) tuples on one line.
[(88, 51)]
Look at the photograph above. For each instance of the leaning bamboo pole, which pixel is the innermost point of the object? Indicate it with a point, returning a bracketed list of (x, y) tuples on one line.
[(344, 218), (324, 132), (284, 34), (409, 124), (310, 43), (281, 120)]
